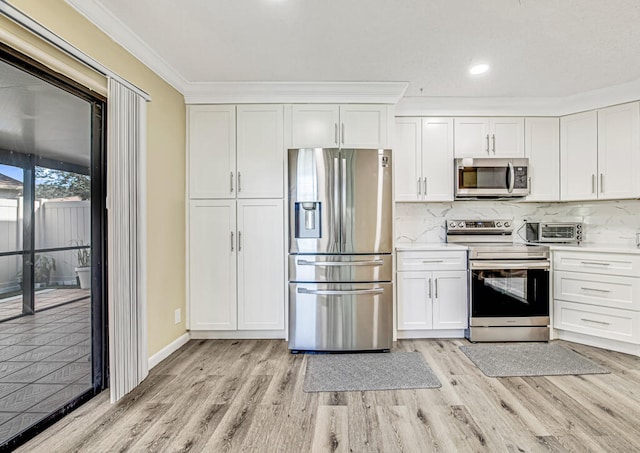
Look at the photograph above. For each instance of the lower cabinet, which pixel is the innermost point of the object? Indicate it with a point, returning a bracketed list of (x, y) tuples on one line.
[(597, 296), (236, 265), (431, 299)]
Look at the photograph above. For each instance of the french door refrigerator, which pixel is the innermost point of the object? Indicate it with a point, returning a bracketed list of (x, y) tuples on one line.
[(340, 249)]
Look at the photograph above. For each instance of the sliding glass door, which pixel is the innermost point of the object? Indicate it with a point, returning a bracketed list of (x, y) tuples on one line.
[(52, 241)]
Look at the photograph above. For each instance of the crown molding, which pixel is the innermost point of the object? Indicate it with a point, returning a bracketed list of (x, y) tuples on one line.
[(294, 92), (529, 106), (113, 27)]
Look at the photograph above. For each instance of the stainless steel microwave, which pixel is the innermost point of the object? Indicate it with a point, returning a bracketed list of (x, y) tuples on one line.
[(563, 232), (491, 178)]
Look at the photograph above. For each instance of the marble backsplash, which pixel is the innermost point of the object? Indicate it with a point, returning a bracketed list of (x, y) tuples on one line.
[(606, 222)]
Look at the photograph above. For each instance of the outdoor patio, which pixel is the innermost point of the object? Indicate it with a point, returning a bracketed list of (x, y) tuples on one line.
[(11, 307)]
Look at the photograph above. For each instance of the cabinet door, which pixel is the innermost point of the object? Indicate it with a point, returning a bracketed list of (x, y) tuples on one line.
[(407, 159), (260, 151), (315, 126), (261, 262), (507, 137), (471, 137), (619, 151), (437, 159), (414, 300), (450, 300), (363, 126), (212, 265), (211, 136), (578, 156), (542, 147)]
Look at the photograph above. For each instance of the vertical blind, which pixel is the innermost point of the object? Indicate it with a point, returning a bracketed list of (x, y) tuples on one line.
[(126, 129)]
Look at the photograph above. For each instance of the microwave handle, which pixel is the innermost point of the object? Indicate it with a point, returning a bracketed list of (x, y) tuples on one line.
[(511, 177)]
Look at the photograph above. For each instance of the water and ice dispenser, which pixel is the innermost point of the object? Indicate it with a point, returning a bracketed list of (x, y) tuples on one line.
[(308, 219)]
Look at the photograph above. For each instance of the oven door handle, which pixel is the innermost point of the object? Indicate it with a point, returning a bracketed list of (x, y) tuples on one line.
[(508, 264)]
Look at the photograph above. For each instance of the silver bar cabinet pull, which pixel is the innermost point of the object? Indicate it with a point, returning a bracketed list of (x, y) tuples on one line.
[(601, 182), (594, 321), (419, 187), (429, 288), (231, 182), (425, 185), (436, 284), (335, 132), (593, 183), (239, 182), (595, 263), (239, 241), (232, 241), (487, 143), (595, 289), (493, 139), (343, 133)]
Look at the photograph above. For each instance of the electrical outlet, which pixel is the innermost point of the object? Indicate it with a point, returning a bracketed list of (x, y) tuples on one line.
[(176, 316)]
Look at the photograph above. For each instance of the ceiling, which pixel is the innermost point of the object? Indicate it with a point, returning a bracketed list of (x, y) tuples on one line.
[(536, 48), (39, 118)]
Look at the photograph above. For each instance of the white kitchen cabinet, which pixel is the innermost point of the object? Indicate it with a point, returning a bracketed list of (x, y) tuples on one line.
[(221, 167), (260, 151), (359, 126), (619, 151), (212, 265), (211, 144), (423, 153), (489, 137), (260, 265), (542, 148), (597, 297), (236, 265), (431, 299), (600, 154)]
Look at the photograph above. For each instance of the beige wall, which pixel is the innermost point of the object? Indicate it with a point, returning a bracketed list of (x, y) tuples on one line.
[(165, 163)]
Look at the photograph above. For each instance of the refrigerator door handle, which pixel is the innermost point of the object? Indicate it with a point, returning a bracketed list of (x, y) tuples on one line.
[(341, 263), (332, 292), (336, 205), (343, 183)]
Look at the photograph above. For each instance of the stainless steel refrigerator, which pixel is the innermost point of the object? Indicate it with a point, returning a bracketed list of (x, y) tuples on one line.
[(340, 249)]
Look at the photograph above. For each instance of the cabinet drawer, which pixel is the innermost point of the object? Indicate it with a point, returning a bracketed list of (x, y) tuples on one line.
[(602, 322), (597, 263), (597, 289), (428, 261)]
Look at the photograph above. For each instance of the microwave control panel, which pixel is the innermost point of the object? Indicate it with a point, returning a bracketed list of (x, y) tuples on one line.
[(520, 177)]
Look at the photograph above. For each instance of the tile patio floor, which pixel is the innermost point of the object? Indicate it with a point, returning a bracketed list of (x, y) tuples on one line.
[(45, 298), (45, 362)]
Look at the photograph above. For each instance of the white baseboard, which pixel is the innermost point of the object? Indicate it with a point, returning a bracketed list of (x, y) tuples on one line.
[(416, 334), (169, 349), (238, 334)]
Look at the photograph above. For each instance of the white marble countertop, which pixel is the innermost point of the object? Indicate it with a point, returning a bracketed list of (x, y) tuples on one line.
[(591, 247), (428, 246)]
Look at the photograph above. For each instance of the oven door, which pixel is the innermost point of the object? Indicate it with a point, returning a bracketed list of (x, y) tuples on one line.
[(509, 292)]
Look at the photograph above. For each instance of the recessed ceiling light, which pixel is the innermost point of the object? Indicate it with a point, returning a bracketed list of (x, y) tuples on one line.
[(479, 69)]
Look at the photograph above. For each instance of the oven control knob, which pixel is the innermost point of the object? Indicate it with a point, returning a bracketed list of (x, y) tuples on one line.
[(499, 224), (452, 224), (461, 224), (507, 224)]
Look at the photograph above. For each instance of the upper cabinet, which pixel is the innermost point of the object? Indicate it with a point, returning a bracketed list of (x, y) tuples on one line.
[(236, 152), (423, 159), (542, 148), (599, 153), (489, 137), (339, 126)]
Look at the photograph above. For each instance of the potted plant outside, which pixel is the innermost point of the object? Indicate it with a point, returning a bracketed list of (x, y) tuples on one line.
[(42, 268), (84, 267)]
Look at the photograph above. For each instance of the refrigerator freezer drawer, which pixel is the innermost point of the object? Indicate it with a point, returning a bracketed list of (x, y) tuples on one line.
[(340, 317), (340, 268)]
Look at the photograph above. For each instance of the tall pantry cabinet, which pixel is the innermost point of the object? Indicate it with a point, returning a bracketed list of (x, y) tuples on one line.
[(236, 218)]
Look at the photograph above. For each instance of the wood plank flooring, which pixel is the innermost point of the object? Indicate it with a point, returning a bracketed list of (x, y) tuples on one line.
[(233, 396)]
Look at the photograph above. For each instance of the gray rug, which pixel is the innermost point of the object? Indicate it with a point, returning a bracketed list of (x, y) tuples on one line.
[(356, 372), (529, 359)]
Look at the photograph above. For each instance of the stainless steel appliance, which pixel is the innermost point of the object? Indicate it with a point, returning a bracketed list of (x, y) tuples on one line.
[(340, 245), (491, 178), (508, 282), (555, 232)]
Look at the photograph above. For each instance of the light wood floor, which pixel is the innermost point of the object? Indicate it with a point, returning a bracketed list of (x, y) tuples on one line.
[(224, 395)]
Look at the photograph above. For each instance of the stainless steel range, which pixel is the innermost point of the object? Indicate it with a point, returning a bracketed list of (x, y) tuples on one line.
[(508, 283)]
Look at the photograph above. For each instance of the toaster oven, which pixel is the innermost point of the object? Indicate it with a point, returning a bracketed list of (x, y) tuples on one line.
[(558, 232)]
